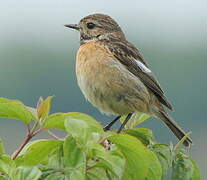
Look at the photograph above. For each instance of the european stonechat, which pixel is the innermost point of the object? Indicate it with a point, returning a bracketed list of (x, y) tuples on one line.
[(114, 76)]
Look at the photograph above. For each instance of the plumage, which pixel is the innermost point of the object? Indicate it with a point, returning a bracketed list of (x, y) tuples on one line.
[(113, 75), (101, 80), (127, 54)]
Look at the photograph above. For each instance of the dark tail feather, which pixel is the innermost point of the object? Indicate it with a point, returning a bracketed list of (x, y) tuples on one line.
[(178, 132)]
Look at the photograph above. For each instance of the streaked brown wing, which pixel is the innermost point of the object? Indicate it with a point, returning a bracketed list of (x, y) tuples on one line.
[(128, 55)]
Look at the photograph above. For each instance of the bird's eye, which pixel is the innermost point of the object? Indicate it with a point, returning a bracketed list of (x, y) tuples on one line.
[(90, 25)]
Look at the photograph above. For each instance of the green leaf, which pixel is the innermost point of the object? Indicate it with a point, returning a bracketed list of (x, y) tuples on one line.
[(94, 125), (15, 110), (196, 173), (37, 152), (135, 120), (3, 178), (165, 156), (85, 131), (141, 163), (97, 173), (7, 165), (57, 120), (75, 159), (74, 127), (33, 111), (52, 173), (2, 150), (43, 107), (143, 134), (184, 168), (27, 173), (112, 161), (56, 176), (56, 158)]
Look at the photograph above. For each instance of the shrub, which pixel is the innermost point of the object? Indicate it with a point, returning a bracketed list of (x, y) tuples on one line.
[(87, 152)]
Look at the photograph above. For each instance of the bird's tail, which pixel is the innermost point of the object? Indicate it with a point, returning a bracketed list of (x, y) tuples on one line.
[(177, 131)]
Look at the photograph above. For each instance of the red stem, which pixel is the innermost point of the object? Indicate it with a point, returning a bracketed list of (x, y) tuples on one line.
[(26, 140)]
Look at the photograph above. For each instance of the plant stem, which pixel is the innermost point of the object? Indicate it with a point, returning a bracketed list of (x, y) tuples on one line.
[(34, 127), (53, 135), (36, 132), (26, 140), (28, 128), (89, 168)]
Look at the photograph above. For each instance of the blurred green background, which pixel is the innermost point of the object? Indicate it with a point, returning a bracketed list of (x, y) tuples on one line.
[(37, 58)]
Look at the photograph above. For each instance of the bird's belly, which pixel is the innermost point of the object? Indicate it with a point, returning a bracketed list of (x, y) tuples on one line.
[(109, 86), (113, 95), (102, 97)]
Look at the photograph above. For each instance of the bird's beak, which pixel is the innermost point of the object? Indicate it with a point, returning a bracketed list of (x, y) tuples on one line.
[(73, 26)]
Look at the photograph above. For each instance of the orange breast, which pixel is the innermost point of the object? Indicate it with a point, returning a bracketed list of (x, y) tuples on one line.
[(92, 58), (106, 83)]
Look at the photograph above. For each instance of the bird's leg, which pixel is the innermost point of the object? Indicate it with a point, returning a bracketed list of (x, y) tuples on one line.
[(108, 126), (124, 123)]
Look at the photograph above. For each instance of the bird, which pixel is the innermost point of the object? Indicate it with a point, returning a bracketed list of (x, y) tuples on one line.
[(114, 76)]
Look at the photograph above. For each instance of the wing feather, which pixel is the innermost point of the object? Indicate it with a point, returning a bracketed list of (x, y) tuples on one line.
[(129, 56)]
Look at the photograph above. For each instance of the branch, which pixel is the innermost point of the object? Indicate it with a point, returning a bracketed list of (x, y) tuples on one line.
[(29, 136)]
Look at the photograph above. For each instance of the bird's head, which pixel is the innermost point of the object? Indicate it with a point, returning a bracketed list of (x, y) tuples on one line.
[(97, 26)]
